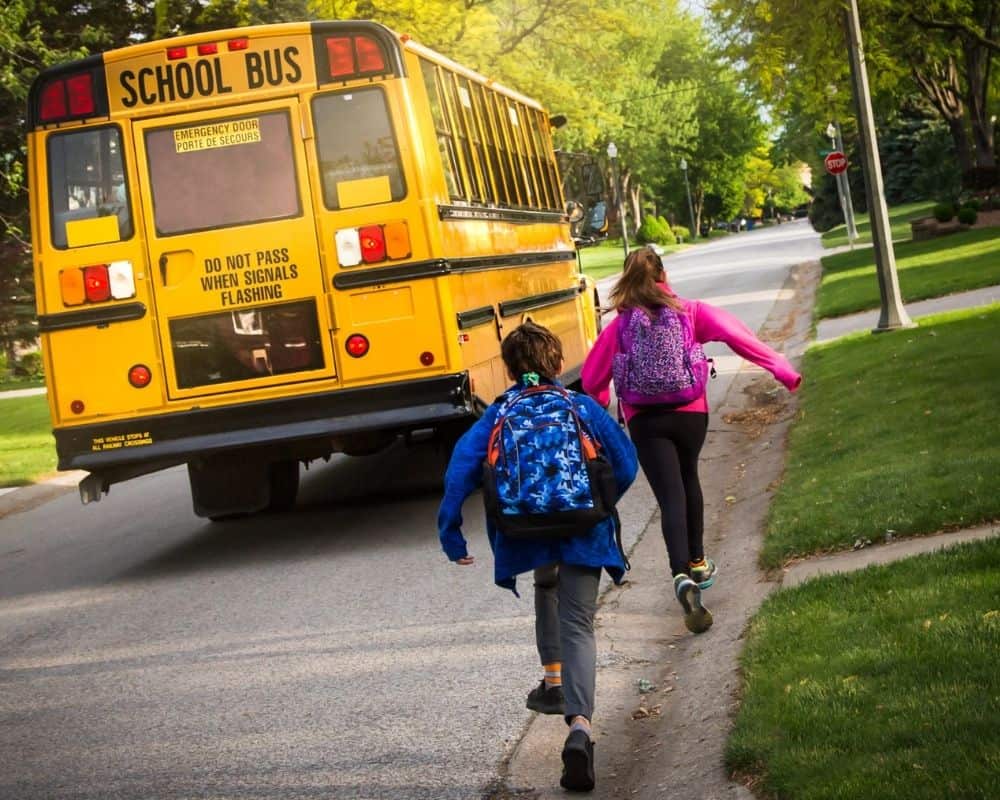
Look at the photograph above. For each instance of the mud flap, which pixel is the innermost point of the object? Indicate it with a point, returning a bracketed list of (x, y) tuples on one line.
[(229, 484)]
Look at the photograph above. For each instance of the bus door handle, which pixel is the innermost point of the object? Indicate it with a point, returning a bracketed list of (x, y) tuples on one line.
[(175, 265)]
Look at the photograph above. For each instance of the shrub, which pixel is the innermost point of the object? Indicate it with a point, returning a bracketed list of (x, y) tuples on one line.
[(974, 203), (653, 232), (943, 212), (682, 232), (30, 365), (967, 215)]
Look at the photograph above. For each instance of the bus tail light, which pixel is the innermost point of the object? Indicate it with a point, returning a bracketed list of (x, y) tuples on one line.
[(80, 89), (340, 51), (121, 279), (357, 345), (96, 283), (372, 244), (397, 240), (140, 376), (369, 55), (348, 247), (71, 287)]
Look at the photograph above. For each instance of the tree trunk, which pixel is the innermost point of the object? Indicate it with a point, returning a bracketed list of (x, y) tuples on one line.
[(977, 69), (635, 200), (939, 83)]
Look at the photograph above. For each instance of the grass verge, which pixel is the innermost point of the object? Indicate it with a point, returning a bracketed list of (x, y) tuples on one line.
[(897, 431), (27, 449), (933, 268), (608, 257), (899, 222), (877, 683)]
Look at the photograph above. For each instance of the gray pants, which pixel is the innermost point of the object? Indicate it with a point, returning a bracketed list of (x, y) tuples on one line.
[(565, 604)]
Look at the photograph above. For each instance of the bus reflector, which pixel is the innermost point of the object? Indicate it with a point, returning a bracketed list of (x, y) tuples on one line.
[(76, 406), (397, 240), (357, 345), (80, 89), (369, 55), (427, 358), (348, 247), (71, 287), (238, 44), (96, 283), (173, 53), (372, 243), (140, 376), (121, 279), (53, 101), (208, 49), (341, 56)]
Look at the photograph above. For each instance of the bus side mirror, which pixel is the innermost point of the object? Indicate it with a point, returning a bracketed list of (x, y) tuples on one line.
[(574, 211), (557, 121)]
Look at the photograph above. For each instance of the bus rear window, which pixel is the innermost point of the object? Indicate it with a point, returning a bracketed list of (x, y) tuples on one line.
[(223, 172), (87, 180), (359, 160)]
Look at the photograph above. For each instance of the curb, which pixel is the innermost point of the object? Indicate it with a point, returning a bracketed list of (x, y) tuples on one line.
[(18, 499)]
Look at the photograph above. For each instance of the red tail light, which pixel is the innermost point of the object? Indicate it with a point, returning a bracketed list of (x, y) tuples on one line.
[(357, 345), (372, 243), (369, 55), (96, 283), (140, 376), (53, 101)]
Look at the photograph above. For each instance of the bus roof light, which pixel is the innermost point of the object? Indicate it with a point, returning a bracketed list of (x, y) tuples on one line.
[(372, 243), (370, 57), (174, 53), (80, 89), (208, 49), (341, 56), (238, 44), (348, 247), (53, 105), (96, 283)]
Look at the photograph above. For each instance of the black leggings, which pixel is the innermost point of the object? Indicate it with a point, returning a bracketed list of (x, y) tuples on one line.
[(668, 444)]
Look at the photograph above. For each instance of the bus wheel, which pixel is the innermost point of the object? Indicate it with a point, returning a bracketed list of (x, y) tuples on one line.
[(283, 477)]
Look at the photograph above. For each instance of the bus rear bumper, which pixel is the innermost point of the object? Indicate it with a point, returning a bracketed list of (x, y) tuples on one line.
[(128, 448)]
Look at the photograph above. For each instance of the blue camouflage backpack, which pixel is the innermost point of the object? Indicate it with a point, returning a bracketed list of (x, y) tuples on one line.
[(544, 476)]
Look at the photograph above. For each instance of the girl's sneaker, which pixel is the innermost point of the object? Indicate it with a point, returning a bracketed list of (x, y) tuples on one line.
[(703, 572), (697, 618)]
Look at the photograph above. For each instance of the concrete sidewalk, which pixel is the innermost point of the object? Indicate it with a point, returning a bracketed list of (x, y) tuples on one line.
[(835, 327)]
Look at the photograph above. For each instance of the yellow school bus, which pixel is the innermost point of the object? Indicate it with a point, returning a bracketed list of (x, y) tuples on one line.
[(260, 246)]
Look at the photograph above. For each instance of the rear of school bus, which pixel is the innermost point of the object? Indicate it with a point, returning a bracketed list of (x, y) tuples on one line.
[(196, 205)]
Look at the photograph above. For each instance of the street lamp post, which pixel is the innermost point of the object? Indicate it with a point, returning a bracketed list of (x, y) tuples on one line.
[(687, 188), (613, 155)]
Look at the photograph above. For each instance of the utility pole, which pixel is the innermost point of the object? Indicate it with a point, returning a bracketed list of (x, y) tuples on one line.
[(893, 315), (613, 155), (687, 187)]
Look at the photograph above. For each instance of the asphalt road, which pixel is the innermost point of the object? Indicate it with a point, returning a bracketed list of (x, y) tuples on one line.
[(329, 652)]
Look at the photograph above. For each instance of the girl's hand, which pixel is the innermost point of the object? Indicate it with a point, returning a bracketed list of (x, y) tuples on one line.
[(466, 561)]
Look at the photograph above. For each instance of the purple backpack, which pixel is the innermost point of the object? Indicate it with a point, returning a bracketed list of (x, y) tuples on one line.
[(658, 362)]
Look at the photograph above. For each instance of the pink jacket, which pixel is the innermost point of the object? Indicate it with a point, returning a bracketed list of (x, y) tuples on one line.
[(711, 324)]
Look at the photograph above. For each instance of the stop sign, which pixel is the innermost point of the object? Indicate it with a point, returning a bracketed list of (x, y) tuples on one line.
[(835, 163)]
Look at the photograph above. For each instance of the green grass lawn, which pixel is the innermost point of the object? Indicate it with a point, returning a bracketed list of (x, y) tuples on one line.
[(899, 222), (933, 268), (27, 449), (8, 383), (880, 683), (897, 431), (608, 257)]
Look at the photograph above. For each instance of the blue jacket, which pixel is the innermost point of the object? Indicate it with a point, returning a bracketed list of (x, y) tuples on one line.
[(512, 557)]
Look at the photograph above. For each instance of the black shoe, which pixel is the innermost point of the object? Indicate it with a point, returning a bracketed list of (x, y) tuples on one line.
[(546, 701), (578, 762)]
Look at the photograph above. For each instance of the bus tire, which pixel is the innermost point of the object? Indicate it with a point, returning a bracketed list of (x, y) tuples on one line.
[(283, 477)]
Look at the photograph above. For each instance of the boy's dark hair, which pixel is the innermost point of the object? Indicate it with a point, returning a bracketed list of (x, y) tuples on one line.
[(532, 348)]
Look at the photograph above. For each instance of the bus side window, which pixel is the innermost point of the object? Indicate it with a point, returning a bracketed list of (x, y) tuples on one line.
[(87, 180)]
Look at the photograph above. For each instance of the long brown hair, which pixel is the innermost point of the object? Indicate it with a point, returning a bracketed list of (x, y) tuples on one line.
[(637, 287)]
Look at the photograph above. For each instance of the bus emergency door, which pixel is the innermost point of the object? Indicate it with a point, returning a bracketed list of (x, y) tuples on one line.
[(238, 287)]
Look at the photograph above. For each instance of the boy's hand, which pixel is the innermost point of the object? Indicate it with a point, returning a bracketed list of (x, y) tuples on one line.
[(466, 560)]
